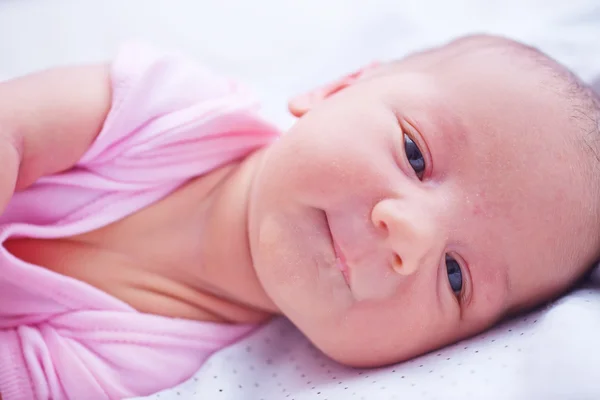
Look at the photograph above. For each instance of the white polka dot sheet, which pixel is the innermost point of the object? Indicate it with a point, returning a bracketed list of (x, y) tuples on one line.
[(546, 355)]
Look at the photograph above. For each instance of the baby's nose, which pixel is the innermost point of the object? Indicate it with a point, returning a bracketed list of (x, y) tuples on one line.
[(409, 233)]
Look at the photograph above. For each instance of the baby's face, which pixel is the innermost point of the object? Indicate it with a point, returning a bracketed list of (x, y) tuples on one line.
[(450, 187)]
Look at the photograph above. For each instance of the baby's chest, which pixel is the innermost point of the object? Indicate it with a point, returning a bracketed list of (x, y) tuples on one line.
[(139, 259), (97, 266)]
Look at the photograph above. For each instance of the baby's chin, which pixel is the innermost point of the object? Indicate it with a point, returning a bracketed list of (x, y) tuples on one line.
[(362, 354), (362, 341), (355, 346)]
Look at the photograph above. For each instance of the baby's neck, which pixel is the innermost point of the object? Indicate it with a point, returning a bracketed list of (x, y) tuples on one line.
[(227, 269)]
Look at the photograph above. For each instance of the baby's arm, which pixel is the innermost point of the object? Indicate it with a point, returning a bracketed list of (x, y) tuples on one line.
[(47, 122)]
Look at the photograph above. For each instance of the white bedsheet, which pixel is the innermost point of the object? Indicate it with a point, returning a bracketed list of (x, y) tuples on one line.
[(282, 47)]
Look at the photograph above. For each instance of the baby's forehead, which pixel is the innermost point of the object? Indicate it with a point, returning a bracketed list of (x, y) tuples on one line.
[(523, 201), (519, 158)]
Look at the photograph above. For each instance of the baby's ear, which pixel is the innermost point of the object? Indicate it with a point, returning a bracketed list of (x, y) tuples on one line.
[(596, 85), (301, 104)]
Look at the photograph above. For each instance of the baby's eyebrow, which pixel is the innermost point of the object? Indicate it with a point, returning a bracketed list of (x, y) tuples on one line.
[(491, 287), (444, 128), (446, 119)]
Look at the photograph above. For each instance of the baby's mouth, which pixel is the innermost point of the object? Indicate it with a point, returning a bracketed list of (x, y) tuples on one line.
[(340, 259), (340, 262)]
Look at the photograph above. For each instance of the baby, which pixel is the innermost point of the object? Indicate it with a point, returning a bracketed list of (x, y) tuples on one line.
[(151, 217)]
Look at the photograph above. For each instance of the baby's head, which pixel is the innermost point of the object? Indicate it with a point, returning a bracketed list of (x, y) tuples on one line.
[(459, 185)]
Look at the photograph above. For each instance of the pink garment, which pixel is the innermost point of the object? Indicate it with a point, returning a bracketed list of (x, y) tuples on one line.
[(64, 339)]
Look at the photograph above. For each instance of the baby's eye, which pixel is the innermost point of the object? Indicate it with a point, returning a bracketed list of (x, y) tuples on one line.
[(414, 156), (454, 275)]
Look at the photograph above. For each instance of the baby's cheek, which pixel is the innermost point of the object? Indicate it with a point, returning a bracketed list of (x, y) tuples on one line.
[(390, 332), (367, 175)]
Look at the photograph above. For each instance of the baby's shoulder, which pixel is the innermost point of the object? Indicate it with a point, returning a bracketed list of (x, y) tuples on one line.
[(172, 118)]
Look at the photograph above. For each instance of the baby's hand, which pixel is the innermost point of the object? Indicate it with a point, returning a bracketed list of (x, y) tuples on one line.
[(47, 122)]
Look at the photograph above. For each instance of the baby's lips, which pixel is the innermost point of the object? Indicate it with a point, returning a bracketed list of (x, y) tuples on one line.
[(340, 262)]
